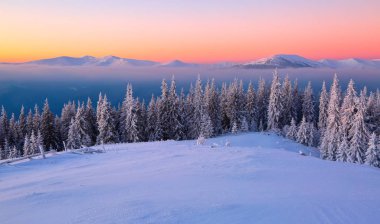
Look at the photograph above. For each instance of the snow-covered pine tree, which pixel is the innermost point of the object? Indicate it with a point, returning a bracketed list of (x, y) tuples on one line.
[(33, 143), (29, 122), (211, 104), (323, 106), (233, 102), (39, 142), (151, 119), (107, 132), (13, 136), (292, 131), (182, 116), (287, 101), (275, 107), (332, 138), (198, 108), (90, 118), (13, 153), (141, 120), (372, 155), (262, 105), (342, 151), (158, 132), (22, 126), (224, 118), (4, 127), (206, 126), (251, 108), (313, 135), (348, 110), (176, 127), (36, 118), (308, 104), (47, 128), (297, 103), (303, 132), (130, 123), (359, 132), (234, 129), (27, 148), (244, 125), (82, 126), (68, 113), (164, 111), (73, 140)]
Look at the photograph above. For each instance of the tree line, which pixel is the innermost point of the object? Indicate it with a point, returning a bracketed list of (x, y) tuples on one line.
[(344, 126)]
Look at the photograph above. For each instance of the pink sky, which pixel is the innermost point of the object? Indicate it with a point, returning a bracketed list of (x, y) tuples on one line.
[(195, 31)]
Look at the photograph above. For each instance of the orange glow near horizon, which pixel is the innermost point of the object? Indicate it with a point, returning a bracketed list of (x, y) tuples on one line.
[(194, 31)]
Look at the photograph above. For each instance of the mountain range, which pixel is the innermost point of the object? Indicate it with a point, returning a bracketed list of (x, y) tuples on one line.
[(275, 61)]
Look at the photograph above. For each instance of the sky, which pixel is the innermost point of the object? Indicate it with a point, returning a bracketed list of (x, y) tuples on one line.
[(190, 30)]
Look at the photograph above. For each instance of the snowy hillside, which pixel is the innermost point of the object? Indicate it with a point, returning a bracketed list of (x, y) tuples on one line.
[(282, 61), (260, 178)]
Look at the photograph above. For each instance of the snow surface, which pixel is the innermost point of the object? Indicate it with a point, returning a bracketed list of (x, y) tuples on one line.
[(261, 178)]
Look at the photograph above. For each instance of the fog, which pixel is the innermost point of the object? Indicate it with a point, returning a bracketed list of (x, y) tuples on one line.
[(30, 84)]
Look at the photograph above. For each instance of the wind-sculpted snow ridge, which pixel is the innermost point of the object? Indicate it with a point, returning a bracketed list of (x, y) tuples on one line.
[(259, 178)]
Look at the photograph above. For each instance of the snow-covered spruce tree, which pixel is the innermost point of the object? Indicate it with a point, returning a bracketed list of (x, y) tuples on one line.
[(47, 128), (33, 143), (323, 106), (348, 110), (251, 108), (244, 125), (13, 131), (158, 131), (287, 101), (164, 111), (377, 113), (99, 106), (372, 156), (22, 126), (275, 107), (313, 135), (206, 126), (27, 147), (73, 140), (176, 127), (224, 118), (29, 122), (182, 116), (198, 109), (13, 153), (234, 129), (4, 127), (308, 104), (36, 118), (130, 132), (68, 113), (211, 104), (303, 132), (39, 142), (262, 105), (297, 103), (342, 152), (90, 118), (233, 103), (331, 138), (107, 132), (292, 131), (141, 121), (359, 132), (58, 133), (82, 126), (151, 120)]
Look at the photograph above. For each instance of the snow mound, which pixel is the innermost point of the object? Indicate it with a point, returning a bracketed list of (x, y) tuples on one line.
[(259, 178)]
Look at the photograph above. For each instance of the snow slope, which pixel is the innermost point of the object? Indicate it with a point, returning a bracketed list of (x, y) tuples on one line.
[(261, 178)]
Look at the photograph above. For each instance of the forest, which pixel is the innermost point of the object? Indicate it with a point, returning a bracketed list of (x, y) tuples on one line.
[(344, 126)]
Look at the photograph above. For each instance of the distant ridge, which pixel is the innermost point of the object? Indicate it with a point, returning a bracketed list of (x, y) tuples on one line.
[(275, 61)]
